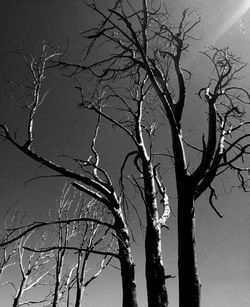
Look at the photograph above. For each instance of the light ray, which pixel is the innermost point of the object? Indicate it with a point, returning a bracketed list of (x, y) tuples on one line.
[(232, 20)]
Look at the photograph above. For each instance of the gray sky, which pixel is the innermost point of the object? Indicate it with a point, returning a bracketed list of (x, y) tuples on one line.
[(223, 245)]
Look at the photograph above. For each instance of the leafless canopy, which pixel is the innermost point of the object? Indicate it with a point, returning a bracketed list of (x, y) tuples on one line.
[(134, 61)]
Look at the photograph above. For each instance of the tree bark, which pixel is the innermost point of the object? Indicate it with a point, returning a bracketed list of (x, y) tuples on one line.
[(128, 282), (129, 294), (154, 269), (155, 273), (189, 284), (19, 293)]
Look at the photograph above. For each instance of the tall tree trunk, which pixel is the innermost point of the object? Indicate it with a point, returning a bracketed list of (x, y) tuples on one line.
[(189, 284), (155, 273), (59, 266), (79, 295), (129, 293), (129, 298), (19, 293), (56, 294)]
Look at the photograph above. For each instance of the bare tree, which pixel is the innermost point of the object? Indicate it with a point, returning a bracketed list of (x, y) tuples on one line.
[(129, 88), (58, 261), (30, 269), (146, 40), (74, 243), (8, 253), (152, 190), (95, 182)]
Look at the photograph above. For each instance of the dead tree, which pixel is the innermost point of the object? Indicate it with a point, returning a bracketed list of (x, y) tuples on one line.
[(144, 71), (91, 179), (58, 261), (74, 243), (100, 186), (146, 39), (31, 270), (8, 253)]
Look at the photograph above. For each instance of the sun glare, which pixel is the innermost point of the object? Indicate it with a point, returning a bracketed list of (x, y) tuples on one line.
[(236, 17)]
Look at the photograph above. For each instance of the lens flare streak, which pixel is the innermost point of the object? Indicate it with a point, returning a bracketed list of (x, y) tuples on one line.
[(236, 17)]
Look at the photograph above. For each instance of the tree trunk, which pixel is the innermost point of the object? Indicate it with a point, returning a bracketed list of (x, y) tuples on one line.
[(78, 297), (59, 266), (155, 273), (19, 293), (189, 284), (129, 294), (128, 282)]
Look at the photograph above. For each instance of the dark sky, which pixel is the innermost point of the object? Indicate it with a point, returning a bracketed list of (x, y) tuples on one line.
[(223, 245)]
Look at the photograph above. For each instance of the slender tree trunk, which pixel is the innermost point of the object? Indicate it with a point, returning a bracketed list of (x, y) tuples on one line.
[(128, 282), (80, 277), (129, 293), (19, 293), (78, 297), (189, 285), (56, 295), (59, 265), (155, 273), (79, 290)]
